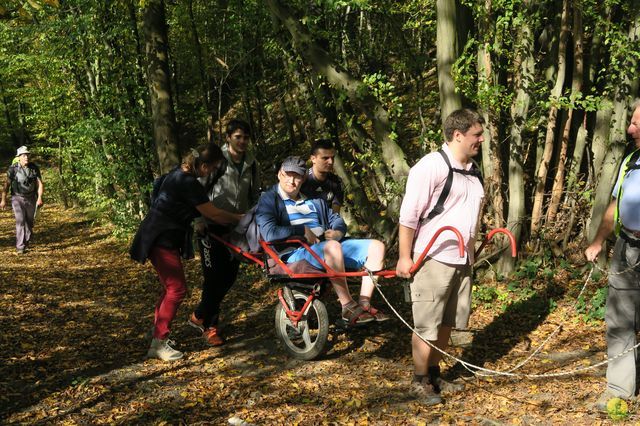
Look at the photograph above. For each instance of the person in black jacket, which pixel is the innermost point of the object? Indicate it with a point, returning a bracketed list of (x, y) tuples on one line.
[(165, 235)]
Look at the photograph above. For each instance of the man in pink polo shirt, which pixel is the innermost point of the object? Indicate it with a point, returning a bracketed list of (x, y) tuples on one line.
[(443, 188)]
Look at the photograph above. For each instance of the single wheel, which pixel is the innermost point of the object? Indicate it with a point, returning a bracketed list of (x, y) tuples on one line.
[(308, 339)]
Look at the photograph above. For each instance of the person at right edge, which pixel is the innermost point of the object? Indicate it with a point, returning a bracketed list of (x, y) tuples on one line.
[(236, 191), (443, 188), (623, 300)]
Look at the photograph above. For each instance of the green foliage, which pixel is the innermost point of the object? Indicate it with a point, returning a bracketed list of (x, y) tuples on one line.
[(339, 4), (71, 78), (592, 307), (384, 92), (484, 294), (73, 84)]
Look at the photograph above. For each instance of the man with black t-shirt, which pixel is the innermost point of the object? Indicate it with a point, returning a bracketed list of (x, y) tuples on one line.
[(321, 181)]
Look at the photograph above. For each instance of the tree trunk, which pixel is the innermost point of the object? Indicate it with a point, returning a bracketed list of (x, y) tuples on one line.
[(202, 73), (556, 92), (558, 182), (164, 122), (447, 54), (7, 115), (617, 134), (523, 78), (321, 62), (579, 117), (491, 158)]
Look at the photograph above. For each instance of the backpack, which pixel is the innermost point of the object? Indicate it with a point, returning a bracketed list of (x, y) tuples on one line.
[(246, 235), (211, 180), (439, 207)]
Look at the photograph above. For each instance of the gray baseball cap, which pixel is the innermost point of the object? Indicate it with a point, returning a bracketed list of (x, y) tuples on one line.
[(294, 164)]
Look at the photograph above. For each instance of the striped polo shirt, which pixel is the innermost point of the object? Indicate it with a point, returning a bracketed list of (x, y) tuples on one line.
[(302, 212)]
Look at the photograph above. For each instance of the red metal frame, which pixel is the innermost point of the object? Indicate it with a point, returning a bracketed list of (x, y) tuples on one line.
[(254, 257), (330, 273), (296, 315), (490, 235)]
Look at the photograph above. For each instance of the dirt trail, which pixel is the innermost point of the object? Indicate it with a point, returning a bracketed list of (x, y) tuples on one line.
[(74, 311)]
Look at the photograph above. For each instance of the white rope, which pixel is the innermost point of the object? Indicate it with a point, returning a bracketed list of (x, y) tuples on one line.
[(475, 369), (624, 271), (558, 328)]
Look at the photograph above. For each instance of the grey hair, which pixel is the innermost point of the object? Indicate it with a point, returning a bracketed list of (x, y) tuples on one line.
[(635, 104)]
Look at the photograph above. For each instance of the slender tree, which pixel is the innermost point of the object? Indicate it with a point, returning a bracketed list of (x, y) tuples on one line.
[(159, 79)]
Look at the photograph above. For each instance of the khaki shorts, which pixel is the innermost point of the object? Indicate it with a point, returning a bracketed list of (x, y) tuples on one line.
[(440, 295)]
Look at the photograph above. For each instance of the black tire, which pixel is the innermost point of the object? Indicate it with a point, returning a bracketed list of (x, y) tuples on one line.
[(309, 339)]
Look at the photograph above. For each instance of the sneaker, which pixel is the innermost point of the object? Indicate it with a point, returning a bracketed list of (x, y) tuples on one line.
[(601, 403), (20, 251), (161, 349), (196, 323), (425, 393), (355, 315), (212, 337), (442, 385)]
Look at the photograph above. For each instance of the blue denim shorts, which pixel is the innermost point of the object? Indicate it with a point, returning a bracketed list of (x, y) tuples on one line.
[(355, 253)]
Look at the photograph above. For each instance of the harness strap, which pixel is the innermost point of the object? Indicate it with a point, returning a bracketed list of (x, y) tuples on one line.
[(439, 207)]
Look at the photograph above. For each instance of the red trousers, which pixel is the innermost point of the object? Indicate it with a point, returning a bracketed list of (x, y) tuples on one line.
[(174, 287)]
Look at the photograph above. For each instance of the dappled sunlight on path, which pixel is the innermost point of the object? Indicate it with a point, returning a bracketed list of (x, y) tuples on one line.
[(74, 311)]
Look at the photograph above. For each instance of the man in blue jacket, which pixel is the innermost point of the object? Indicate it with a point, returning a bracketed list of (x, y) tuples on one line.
[(284, 213)]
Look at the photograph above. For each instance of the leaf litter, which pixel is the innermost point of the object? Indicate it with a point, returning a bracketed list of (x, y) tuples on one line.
[(75, 309)]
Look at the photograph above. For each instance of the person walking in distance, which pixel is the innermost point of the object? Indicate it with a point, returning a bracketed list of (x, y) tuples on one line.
[(25, 182)]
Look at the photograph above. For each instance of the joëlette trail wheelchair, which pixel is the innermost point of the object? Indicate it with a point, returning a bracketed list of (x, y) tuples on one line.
[(301, 318)]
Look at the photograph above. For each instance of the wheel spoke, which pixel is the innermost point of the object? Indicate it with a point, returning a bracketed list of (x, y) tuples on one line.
[(305, 335)]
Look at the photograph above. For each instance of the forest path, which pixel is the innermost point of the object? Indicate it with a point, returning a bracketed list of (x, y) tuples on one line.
[(75, 308)]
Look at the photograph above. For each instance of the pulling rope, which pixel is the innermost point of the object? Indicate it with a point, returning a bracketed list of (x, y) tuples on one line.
[(485, 372)]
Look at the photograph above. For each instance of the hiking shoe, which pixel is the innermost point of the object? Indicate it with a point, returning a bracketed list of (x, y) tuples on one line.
[(355, 315), (212, 337), (601, 403), (196, 323), (445, 386), (161, 349), (377, 314), (425, 393)]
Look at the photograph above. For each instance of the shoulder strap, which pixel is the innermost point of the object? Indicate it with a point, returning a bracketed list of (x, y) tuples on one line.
[(11, 173), (439, 207), (628, 164), (633, 159), (473, 171)]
